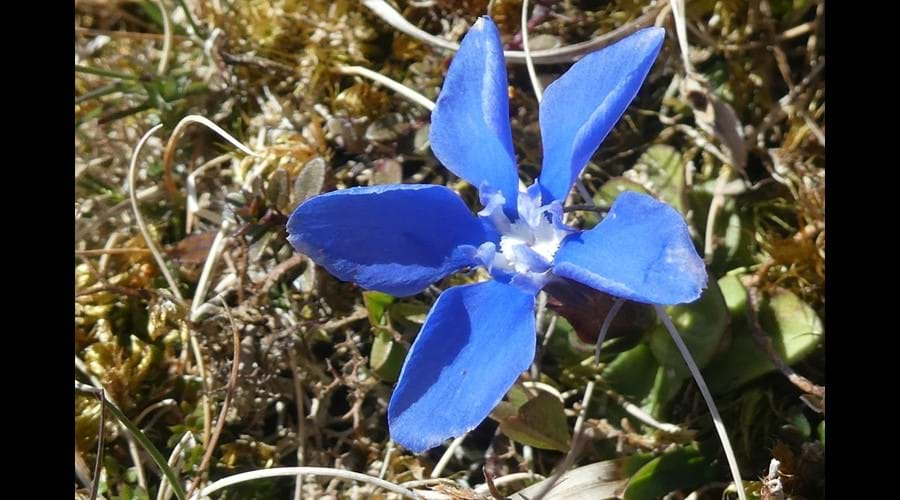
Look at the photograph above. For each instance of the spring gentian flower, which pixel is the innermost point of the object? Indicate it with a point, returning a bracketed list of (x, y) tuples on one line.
[(399, 239)]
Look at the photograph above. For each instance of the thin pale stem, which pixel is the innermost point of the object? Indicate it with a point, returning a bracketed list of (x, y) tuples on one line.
[(145, 232), (613, 311), (169, 152), (529, 61), (387, 459), (193, 203), (577, 444), (158, 257), (507, 479), (215, 251), (551, 327), (707, 396), (528, 458), (104, 259), (532, 384), (135, 455), (585, 195), (585, 401), (165, 491), (406, 92), (556, 55), (445, 458), (681, 32), (167, 39), (715, 206), (643, 416), (294, 471), (539, 322)]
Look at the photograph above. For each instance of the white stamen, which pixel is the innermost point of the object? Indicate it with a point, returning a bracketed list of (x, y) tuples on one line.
[(527, 245)]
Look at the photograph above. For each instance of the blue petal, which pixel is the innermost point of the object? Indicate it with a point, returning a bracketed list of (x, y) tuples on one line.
[(582, 106), (641, 251), (470, 131), (475, 342), (395, 238)]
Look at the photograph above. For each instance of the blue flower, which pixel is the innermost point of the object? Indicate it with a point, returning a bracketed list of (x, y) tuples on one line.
[(399, 239)]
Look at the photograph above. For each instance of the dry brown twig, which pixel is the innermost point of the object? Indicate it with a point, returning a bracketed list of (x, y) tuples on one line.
[(229, 394)]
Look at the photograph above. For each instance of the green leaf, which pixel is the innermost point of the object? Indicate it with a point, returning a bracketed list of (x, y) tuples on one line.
[(794, 328), (701, 325), (667, 384), (411, 312), (822, 432), (798, 421), (735, 296), (632, 373), (139, 493), (607, 194), (518, 396), (504, 410), (753, 420), (387, 355), (637, 375), (541, 422), (376, 304), (654, 372), (681, 468), (733, 232), (155, 170), (612, 188), (664, 168)]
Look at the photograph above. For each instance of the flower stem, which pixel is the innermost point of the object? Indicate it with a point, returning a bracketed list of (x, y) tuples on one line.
[(445, 458), (710, 403), (408, 93), (529, 62), (606, 322), (294, 471)]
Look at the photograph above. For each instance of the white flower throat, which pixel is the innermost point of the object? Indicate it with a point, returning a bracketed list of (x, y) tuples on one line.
[(528, 244)]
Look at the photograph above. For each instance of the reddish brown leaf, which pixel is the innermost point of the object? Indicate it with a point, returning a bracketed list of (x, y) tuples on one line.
[(193, 249)]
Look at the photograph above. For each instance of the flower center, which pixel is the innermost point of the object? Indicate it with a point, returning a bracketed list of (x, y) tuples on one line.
[(528, 244)]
